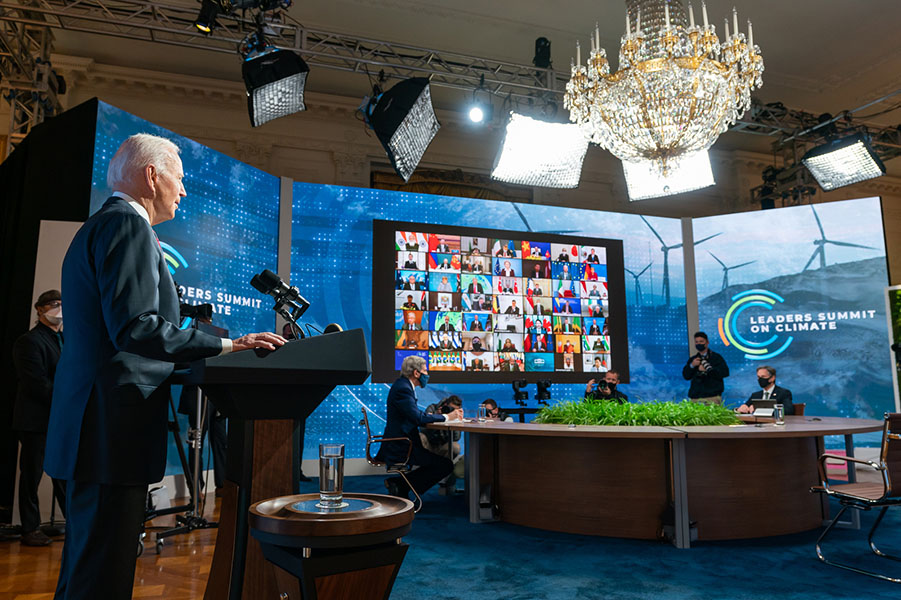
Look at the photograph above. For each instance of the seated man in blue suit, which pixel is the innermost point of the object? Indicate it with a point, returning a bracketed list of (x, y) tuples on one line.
[(770, 395), (107, 430), (404, 420)]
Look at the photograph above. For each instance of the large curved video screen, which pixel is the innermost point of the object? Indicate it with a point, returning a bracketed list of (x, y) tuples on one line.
[(484, 305)]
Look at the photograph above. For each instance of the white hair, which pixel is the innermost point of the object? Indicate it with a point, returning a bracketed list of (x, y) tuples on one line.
[(410, 364), (137, 153)]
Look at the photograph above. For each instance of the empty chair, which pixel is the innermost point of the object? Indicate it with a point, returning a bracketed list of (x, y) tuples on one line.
[(395, 469), (864, 496)]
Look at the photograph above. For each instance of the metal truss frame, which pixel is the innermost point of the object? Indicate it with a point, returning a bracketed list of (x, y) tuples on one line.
[(173, 24)]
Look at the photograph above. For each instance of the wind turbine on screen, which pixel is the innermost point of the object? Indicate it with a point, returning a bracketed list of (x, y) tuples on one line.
[(529, 227), (638, 282), (821, 244), (727, 269), (665, 249)]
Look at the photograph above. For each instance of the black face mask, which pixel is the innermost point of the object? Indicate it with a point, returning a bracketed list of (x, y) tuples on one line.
[(701, 347), (764, 382)]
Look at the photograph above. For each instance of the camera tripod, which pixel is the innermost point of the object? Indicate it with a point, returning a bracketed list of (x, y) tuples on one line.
[(193, 511)]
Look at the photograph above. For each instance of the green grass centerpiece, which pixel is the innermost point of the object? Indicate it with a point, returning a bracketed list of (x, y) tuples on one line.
[(658, 414)]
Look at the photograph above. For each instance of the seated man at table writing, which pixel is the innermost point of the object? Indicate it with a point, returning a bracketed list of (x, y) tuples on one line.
[(404, 420), (770, 395), (605, 389)]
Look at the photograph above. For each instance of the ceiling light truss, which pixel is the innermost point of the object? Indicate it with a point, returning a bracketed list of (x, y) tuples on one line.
[(24, 23), (172, 24), (27, 81)]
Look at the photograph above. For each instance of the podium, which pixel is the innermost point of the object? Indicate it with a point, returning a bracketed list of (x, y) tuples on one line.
[(263, 395)]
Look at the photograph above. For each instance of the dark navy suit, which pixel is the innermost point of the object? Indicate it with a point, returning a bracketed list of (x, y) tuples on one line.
[(780, 395), (107, 430), (404, 420)]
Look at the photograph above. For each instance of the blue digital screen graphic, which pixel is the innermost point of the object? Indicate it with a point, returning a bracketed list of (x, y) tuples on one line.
[(331, 263), (224, 232), (800, 289)]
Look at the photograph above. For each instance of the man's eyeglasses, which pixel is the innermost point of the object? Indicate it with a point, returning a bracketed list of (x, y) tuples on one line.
[(54, 304)]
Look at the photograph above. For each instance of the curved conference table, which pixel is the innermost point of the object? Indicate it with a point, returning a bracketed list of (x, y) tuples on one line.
[(723, 482)]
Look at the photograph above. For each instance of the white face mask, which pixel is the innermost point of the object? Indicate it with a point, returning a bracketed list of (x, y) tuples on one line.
[(54, 315)]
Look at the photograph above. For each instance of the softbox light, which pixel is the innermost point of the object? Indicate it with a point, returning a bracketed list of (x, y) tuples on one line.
[(404, 122), (541, 154), (644, 180), (843, 162), (274, 82)]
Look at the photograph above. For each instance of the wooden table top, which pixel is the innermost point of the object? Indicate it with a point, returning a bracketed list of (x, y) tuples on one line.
[(795, 426), (547, 430)]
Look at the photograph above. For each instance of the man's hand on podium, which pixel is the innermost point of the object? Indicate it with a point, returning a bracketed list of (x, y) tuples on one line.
[(267, 340)]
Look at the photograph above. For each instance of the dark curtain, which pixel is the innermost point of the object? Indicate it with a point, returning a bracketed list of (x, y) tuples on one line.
[(47, 177)]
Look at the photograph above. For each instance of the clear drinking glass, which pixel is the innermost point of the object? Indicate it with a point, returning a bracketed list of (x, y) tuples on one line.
[(483, 413), (331, 475), (779, 414)]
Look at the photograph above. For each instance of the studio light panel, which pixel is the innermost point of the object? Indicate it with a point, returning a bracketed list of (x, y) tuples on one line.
[(539, 153)]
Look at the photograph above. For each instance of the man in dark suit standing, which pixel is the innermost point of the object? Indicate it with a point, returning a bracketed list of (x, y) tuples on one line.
[(476, 288), (769, 394), (403, 420), (107, 429), (35, 355)]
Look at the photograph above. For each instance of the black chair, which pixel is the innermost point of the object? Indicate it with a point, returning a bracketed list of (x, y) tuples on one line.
[(864, 496), (394, 468)]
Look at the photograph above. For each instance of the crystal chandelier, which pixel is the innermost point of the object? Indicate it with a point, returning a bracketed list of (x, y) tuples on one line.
[(677, 88)]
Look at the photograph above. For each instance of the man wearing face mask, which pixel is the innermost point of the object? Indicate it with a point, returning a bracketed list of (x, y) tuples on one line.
[(35, 355), (404, 420), (770, 394), (706, 371), (606, 389)]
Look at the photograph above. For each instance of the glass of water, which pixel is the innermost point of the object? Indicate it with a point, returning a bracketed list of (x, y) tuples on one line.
[(779, 414), (483, 413), (331, 475)]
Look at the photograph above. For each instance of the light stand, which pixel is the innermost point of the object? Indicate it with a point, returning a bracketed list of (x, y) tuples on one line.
[(520, 396), (544, 391)]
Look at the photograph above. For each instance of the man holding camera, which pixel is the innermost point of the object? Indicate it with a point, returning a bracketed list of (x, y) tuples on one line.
[(605, 389), (706, 371)]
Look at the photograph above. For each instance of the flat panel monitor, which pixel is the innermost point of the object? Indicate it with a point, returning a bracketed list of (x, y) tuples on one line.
[(494, 306)]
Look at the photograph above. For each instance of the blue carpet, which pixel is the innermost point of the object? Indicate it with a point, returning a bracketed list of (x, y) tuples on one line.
[(450, 558)]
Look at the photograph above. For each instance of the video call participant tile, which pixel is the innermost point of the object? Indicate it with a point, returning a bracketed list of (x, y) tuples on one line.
[(411, 280), (411, 320), (595, 363), (536, 251), (567, 344), (478, 341), (446, 301), (567, 362), (480, 361), (409, 300), (411, 340), (411, 261), (445, 340), (445, 361)]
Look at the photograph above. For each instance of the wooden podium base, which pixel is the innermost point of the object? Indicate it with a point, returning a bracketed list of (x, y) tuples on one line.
[(333, 555)]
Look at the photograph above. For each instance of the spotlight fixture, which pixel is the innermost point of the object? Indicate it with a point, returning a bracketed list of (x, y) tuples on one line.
[(210, 9), (644, 179), (206, 19), (843, 162), (275, 81), (542, 58), (404, 122), (480, 109), (541, 154)]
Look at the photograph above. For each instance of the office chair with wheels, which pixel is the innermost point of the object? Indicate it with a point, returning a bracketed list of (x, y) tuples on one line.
[(393, 468), (864, 496)]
